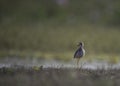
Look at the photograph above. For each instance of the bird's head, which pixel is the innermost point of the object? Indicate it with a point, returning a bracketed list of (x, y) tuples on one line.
[(81, 44)]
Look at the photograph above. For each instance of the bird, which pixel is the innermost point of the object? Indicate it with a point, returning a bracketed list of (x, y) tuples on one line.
[(80, 52)]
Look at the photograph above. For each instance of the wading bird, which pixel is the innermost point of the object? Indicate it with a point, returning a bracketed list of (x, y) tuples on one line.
[(80, 52)]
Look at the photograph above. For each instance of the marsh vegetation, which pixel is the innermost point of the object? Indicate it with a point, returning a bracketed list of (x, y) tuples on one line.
[(38, 39), (58, 76)]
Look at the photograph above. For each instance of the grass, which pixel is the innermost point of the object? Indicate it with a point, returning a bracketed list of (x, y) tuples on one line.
[(59, 56), (58, 76), (59, 37), (58, 40)]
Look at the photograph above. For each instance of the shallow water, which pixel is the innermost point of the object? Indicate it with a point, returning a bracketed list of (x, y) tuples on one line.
[(12, 62)]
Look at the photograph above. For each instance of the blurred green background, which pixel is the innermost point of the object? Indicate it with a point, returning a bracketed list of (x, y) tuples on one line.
[(52, 28)]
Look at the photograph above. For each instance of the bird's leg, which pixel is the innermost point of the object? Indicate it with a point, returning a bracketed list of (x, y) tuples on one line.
[(78, 59)]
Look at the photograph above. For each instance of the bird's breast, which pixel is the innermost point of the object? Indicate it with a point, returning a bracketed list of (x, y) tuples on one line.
[(83, 50)]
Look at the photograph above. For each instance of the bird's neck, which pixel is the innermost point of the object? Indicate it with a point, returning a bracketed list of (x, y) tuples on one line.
[(81, 47)]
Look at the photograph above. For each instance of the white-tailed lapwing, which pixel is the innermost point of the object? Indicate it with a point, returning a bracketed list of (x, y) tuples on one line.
[(80, 52)]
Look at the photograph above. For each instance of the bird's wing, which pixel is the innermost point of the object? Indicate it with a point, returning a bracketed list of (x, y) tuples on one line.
[(78, 53), (75, 54)]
